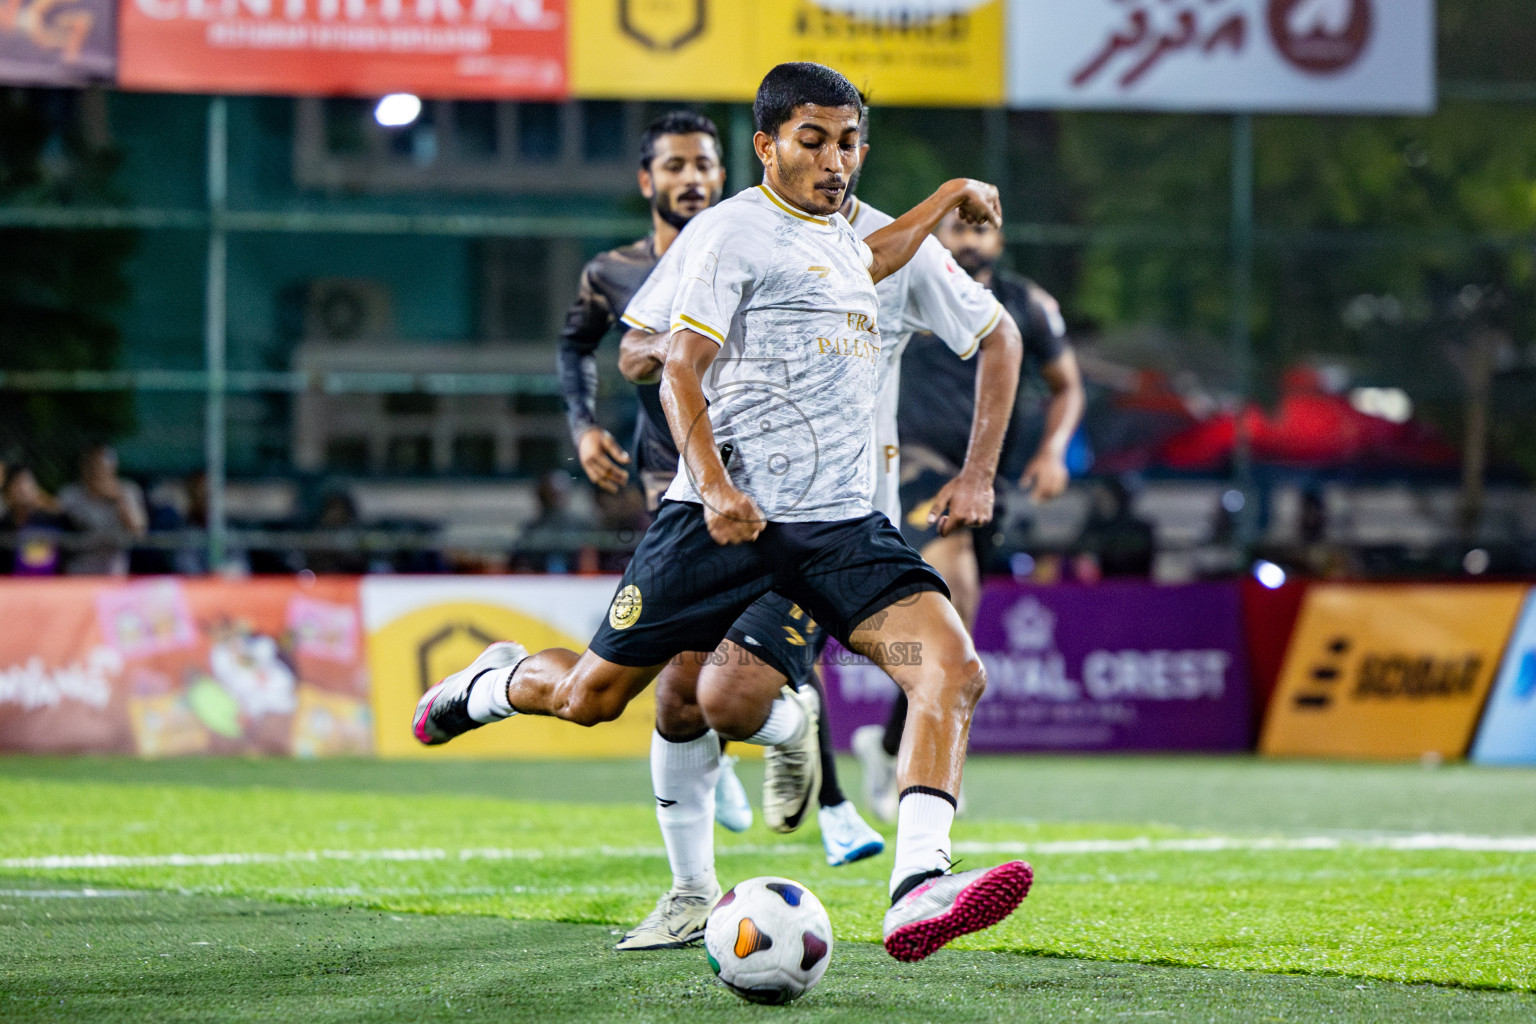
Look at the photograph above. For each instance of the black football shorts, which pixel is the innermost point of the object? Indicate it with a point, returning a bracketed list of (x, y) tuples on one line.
[(683, 592)]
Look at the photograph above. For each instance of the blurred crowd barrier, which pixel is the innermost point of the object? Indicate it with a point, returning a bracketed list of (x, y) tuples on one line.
[(322, 666)]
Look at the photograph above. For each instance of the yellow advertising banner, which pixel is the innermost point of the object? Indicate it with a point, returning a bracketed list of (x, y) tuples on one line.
[(1389, 671), (420, 630), (904, 52)]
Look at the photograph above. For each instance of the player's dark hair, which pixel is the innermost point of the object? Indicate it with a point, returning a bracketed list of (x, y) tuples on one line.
[(677, 122), (791, 85)]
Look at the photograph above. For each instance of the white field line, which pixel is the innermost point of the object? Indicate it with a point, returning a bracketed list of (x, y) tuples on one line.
[(1421, 842), (71, 894)]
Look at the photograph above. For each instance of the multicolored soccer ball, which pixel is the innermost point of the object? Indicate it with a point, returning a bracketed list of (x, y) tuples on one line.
[(769, 939)]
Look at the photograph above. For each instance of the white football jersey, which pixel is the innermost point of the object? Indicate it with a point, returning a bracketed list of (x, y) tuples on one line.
[(788, 298), (931, 293)]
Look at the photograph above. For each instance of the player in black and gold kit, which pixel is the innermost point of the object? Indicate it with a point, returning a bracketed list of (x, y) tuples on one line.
[(934, 422)]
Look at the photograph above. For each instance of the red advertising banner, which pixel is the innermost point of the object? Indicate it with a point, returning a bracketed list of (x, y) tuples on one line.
[(165, 666), (492, 49)]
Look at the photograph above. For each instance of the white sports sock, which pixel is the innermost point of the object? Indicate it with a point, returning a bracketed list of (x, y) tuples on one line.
[(683, 776), (923, 821), (786, 720), (488, 695)]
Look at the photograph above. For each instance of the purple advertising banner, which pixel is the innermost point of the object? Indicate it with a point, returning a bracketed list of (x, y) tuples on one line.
[(1113, 666), (57, 42)]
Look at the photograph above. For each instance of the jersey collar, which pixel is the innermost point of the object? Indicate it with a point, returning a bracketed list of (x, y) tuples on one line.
[(789, 208)]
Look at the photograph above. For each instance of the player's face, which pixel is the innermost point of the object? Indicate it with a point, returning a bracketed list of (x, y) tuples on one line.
[(976, 247), (814, 156), (685, 177)]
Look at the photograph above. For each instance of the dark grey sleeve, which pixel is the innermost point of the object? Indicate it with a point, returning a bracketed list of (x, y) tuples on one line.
[(587, 322), (1044, 329)]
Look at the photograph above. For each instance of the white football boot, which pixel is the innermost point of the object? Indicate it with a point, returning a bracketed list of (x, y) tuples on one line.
[(845, 836), (793, 769), (678, 919), (443, 711), (944, 907)]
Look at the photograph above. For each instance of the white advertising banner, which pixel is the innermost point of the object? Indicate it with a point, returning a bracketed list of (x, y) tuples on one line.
[(1367, 56)]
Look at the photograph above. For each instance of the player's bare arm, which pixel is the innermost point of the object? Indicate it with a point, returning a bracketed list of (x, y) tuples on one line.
[(1046, 475), (967, 500), (894, 245), (602, 459), (642, 354), (730, 515)]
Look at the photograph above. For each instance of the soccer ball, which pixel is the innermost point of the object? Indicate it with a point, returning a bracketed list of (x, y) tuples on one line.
[(769, 939)]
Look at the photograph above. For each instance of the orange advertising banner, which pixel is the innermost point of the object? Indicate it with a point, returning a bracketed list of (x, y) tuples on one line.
[(164, 666), (490, 49), (1389, 671)]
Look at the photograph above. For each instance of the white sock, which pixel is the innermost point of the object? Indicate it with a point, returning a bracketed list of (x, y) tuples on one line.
[(683, 776), (785, 722), (488, 695), (923, 821)]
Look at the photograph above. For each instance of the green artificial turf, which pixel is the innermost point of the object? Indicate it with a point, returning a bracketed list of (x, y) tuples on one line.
[(169, 958), (429, 878)]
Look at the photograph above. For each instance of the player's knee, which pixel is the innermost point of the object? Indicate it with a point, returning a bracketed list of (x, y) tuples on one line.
[(975, 685), (965, 681), (589, 708), (678, 714), (726, 712)]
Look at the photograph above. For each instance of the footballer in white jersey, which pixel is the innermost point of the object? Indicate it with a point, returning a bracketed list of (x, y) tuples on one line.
[(931, 293), (775, 353)]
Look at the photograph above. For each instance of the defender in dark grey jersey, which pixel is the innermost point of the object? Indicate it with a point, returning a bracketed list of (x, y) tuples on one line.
[(681, 174), (934, 417)]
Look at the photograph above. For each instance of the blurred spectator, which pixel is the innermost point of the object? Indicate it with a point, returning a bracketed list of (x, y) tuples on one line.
[(34, 551), (339, 514), (1119, 542), (107, 511), (559, 540)]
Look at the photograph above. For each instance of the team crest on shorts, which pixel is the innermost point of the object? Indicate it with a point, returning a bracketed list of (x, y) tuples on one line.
[(625, 610)]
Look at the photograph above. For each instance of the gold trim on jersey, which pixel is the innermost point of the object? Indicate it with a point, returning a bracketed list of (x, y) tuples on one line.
[(637, 325), (858, 208), (991, 326), (702, 328), (781, 204)]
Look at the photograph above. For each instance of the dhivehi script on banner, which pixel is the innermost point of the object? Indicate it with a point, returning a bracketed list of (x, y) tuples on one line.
[(1223, 55)]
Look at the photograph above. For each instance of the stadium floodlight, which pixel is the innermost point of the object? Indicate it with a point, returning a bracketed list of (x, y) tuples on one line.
[(1269, 575), (397, 110)]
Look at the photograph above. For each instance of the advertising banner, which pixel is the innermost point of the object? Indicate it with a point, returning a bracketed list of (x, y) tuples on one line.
[(164, 666), (1116, 666), (1258, 55), (57, 42), (898, 51), (490, 49), (1508, 732), (1389, 671), (421, 629)]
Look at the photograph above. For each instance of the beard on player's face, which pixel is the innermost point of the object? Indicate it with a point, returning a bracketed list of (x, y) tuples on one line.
[(973, 261), (682, 204), (811, 188)]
